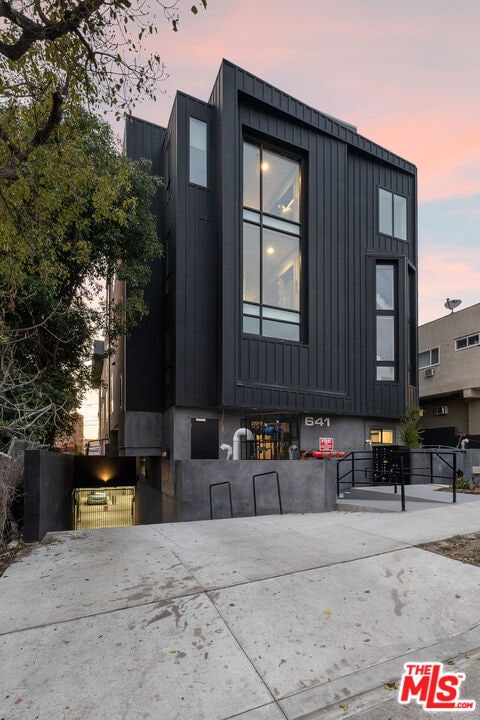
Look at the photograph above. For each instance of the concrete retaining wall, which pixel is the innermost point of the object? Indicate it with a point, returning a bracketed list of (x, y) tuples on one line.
[(441, 464), (148, 505), (48, 484), (303, 488)]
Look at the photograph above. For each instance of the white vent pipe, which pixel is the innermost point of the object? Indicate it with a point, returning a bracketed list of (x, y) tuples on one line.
[(237, 441)]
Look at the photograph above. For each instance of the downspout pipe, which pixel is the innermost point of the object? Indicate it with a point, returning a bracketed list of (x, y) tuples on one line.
[(237, 441)]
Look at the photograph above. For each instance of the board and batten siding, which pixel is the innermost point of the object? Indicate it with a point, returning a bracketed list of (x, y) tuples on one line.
[(333, 368), (143, 351)]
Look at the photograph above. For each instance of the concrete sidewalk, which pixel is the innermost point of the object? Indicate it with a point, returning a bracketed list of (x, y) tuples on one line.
[(294, 616)]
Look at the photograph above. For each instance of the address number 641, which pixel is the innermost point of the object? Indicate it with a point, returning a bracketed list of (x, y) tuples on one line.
[(311, 421)]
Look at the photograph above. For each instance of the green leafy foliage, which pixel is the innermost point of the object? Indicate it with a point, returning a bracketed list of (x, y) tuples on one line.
[(54, 55), (410, 432), (79, 211)]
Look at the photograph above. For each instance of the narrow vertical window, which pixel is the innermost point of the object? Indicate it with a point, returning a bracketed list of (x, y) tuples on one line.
[(198, 152), (412, 329), (400, 217), (385, 212), (392, 214), (271, 243), (386, 322)]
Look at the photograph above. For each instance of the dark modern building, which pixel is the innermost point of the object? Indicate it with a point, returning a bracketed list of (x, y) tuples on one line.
[(285, 306)]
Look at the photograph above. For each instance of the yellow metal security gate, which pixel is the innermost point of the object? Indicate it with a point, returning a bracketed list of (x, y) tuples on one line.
[(103, 507)]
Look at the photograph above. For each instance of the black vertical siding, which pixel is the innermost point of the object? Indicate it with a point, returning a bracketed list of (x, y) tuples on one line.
[(334, 367), (143, 353), (208, 361), (196, 266)]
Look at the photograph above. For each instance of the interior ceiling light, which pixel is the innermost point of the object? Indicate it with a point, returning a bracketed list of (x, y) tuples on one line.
[(287, 208), (270, 250), (264, 166)]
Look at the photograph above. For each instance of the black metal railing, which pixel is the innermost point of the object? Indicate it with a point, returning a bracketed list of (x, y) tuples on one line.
[(254, 479), (214, 485), (371, 469)]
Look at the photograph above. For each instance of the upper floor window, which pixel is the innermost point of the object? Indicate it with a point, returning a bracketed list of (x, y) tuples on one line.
[(271, 243), (198, 152), (386, 321), (392, 214), (467, 341), (427, 358)]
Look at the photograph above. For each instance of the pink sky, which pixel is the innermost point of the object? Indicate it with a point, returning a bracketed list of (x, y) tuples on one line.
[(407, 75)]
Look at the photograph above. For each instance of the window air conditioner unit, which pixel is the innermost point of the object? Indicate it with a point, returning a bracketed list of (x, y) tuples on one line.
[(429, 372), (443, 410)]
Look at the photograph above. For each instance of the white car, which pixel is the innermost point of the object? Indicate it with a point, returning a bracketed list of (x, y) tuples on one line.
[(97, 497)]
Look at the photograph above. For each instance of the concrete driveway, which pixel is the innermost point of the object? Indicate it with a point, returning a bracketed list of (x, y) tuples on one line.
[(294, 616)]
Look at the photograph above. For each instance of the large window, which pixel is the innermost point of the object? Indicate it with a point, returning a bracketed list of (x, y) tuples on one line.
[(427, 358), (385, 286), (271, 243), (392, 214), (198, 152)]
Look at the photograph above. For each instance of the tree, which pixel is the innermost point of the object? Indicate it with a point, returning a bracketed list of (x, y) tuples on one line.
[(410, 432), (79, 211), (56, 53)]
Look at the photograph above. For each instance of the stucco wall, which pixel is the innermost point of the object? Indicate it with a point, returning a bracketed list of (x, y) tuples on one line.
[(49, 482), (458, 369), (348, 433), (303, 486), (148, 505)]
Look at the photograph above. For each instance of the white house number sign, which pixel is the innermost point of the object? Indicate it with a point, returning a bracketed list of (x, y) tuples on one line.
[(311, 421)]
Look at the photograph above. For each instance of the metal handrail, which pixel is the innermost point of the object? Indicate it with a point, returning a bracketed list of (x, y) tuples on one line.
[(402, 473), (272, 472), (225, 482)]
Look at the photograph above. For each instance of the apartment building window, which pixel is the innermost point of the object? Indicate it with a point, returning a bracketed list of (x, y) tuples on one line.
[(198, 152), (271, 243), (467, 341), (427, 358), (386, 321), (383, 436), (392, 214)]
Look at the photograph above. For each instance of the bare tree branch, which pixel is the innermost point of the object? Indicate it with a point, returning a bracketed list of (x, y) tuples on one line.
[(33, 32), (42, 135)]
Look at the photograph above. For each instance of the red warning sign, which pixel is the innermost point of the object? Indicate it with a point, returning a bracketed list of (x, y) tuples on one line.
[(325, 444)]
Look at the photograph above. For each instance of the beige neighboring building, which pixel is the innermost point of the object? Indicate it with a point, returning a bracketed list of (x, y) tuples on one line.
[(449, 373)]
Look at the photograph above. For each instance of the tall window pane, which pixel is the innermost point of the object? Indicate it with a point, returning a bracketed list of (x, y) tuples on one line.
[(271, 243), (280, 270), (251, 176), (392, 214), (251, 265), (281, 186), (198, 152), (385, 287), (400, 217), (385, 338), (385, 220), (386, 321)]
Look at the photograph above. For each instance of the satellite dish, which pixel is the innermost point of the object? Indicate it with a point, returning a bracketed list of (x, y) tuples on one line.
[(452, 304)]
